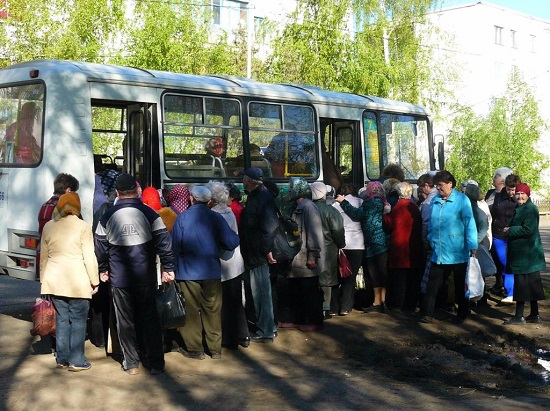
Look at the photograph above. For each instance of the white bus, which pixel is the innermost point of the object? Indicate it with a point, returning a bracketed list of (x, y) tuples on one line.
[(60, 116)]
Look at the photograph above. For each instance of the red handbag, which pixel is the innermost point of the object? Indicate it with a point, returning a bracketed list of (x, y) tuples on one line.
[(344, 267), (43, 318)]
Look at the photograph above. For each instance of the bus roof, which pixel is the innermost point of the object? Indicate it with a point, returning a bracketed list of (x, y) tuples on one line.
[(214, 84)]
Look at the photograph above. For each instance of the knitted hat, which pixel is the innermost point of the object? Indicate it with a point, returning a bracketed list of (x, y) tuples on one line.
[(318, 190), (523, 188)]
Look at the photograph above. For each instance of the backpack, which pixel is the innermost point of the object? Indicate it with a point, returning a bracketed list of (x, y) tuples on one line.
[(288, 240)]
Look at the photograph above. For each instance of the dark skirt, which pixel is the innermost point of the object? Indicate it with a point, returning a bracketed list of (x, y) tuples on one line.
[(528, 287)]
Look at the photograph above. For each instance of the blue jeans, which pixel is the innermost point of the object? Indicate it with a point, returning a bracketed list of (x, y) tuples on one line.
[(263, 304), (70, 333), (501, 246)]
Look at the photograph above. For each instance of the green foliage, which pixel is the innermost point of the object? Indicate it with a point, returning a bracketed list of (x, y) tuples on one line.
[(506, 137), (59, 29)]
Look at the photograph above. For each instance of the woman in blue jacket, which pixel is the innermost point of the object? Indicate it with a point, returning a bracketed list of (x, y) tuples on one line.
[(452, 235)]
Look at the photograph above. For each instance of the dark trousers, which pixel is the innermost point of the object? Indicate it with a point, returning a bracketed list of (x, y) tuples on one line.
[(138, 325), (234, 324), (203, 300), (343, 296), (404, 288), (439, 273), (305, 301)]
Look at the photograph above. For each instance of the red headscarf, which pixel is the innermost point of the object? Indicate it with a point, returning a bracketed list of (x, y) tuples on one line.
[(151, 197), (179, 198)]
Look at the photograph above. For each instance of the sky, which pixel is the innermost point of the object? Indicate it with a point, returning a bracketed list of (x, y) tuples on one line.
[(535, 8)]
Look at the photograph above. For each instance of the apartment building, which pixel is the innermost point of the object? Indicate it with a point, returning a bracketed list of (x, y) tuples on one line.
[(487, 43)]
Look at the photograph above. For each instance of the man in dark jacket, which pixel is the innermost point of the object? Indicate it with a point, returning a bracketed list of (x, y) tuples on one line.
[(128, 238), (258, 225)]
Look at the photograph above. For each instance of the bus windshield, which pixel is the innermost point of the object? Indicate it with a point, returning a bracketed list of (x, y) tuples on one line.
[(21, 124), (404, 140)]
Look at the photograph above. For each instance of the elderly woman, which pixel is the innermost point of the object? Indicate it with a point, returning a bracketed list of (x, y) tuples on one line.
[(525, 257), (70, 274), (179, 201), (354, 249), (333, 233), (452, 234), (370, 215), (234, 325), (305, 295), (406, 254)]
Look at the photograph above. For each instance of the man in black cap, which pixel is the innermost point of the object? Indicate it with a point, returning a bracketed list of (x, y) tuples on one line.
[(259, 222), (128, 238)]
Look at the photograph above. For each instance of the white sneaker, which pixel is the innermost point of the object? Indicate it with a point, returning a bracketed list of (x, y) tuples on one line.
[(508, 300)]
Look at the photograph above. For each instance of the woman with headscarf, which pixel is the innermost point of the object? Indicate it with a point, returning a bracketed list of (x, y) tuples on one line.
[(151, 197), (354, 250), (525, 257), (370, 214), (69, 273), (179, 201), (305, 295)]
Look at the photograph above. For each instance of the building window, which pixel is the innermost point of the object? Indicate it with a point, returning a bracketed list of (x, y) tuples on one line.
[(216, 11), (532, 42), (498, 35), (513, 39)]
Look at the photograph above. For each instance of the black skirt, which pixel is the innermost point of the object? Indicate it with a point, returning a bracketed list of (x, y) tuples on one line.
[(528, 287)]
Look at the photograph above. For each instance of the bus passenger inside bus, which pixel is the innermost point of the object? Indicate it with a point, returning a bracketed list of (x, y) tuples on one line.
[(21, 144), (292, 154)]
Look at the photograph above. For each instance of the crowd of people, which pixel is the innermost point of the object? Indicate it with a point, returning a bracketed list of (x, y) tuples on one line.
[(221, 254)]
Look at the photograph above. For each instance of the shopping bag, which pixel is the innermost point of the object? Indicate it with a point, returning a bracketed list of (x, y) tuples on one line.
[(475, 286), (486, 262), (170, 306), (344, 267), (43, 318)]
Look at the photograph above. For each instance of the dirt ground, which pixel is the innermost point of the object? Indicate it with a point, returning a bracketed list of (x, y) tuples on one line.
[(361, 361)]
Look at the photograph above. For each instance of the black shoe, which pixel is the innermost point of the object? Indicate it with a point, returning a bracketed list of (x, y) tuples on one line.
[(514, 321), (535, 319), (195, 355), (374, 309), (245, 342), (260, 339), (457, 319), (426, 319), (343, 313)]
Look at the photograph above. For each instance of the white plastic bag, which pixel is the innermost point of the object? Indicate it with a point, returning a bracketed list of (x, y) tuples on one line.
[(475, 286)]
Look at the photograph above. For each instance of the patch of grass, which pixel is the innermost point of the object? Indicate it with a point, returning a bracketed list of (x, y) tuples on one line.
[(547, 292)]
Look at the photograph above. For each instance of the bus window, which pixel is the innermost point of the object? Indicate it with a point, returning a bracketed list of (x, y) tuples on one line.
[(202, 136), (404, 141), (108, 136), (288, 134), (372, 148), (21, 117)]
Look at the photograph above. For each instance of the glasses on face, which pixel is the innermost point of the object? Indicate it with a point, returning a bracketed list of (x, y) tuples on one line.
[(442, 185)]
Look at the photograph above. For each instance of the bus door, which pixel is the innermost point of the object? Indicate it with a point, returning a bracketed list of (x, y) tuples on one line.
[(142, 159), (343, 147)]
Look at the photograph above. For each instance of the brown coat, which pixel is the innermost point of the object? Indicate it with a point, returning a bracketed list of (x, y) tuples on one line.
[(68, 265)]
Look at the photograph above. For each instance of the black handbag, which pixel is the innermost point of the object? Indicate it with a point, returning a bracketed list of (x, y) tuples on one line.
[(288, 241), (170, 306)]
